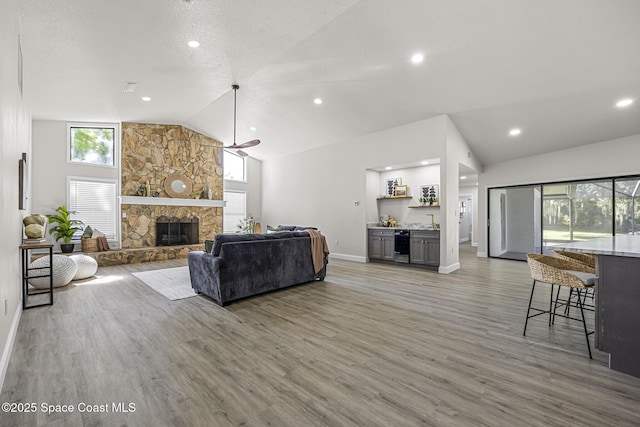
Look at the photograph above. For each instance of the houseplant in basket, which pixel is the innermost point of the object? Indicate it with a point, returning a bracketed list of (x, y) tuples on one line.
[(63, 228)]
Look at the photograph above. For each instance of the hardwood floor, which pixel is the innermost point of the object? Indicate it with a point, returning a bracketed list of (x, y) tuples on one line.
[(372, 345)]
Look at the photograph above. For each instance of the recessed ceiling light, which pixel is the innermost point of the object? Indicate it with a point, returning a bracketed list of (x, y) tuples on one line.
[(515, 132), (194, 43), (146, 98), (388, 168), (417, 58), (317, 101), (253, 128), (624, 103), (463, 177), (424, 162)]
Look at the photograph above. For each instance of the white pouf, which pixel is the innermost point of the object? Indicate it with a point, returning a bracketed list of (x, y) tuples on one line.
[(64, 268), (87, 266)]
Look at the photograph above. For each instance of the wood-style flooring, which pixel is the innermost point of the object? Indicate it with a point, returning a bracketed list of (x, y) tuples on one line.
[(372, 345)]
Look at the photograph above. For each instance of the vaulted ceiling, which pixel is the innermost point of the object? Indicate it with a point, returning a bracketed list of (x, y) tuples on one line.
[(554, 69)]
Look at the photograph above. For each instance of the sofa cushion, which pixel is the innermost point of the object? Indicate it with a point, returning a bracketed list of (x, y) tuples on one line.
[(222, 238), (279, 235)]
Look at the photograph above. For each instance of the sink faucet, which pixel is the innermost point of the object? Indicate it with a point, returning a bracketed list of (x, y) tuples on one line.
[(433, 221)]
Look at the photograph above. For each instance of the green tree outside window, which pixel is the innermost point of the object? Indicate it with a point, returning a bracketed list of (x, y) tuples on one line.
[(92, 145)]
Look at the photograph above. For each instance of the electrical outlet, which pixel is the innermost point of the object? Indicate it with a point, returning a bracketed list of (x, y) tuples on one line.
[(337, 243), (5, 305), (124, 214)]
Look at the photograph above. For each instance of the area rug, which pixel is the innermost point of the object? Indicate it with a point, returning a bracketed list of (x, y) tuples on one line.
[(173, 283)]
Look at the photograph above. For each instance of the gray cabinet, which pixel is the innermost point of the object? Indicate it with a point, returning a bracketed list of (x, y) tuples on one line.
[(381, 244), (425, 247)]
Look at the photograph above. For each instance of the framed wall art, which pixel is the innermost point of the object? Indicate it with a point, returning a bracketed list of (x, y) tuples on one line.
[(400, 191), (391, 185)]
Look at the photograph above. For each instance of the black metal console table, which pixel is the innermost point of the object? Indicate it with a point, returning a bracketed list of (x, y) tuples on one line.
[(26, 270)]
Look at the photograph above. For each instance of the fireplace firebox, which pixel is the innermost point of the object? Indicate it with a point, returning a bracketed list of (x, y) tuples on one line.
[(172, 231)]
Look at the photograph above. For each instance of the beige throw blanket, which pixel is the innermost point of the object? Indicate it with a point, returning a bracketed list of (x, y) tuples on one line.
[(319, 249)]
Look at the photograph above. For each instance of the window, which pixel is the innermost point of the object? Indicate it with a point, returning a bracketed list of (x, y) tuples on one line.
[(92, 143), (576, 211), (234, 168), (235, 210), (627, 206), (95, 203)]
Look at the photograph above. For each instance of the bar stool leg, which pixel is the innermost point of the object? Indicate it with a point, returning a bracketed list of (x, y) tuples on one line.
[(551, 306), (584, 323), (533, 287), (555, 306)]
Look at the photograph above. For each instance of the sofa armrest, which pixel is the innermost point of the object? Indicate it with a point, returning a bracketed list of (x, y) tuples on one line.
[(204, 270)]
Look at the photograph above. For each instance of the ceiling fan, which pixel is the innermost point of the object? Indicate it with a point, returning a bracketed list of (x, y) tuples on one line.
[(247, 144)]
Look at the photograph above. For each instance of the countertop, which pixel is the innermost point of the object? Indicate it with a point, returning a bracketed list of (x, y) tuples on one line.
[(626, 246), (403, 227)]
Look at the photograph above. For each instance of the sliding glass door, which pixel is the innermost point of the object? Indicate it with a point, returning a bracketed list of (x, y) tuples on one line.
[(536, 218), (576, 211), (627, 195)]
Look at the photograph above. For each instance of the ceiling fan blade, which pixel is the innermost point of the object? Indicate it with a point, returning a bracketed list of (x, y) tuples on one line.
[(242, 153), (248, 144)]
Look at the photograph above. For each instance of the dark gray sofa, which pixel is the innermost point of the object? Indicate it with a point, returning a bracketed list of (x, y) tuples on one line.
[(242, 265)]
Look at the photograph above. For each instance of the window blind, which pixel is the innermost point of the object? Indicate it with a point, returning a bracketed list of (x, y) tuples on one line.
[(95, 203)]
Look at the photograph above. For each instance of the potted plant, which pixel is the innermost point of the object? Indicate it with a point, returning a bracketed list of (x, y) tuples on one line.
[(63, 228)]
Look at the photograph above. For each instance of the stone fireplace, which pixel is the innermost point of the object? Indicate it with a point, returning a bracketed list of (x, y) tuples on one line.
[(150, 154), (176, 231)]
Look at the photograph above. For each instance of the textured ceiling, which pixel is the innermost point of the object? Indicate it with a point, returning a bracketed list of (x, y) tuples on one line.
[(552, 68)]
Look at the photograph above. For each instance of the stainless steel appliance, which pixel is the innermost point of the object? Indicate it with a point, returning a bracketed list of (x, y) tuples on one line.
[(401, 252)]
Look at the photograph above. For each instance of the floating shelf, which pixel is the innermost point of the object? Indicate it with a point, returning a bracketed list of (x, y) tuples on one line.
[(171, 201), (425, 206), (393, 198)]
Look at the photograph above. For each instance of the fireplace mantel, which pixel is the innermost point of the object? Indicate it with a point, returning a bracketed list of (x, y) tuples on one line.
[(171, 201)]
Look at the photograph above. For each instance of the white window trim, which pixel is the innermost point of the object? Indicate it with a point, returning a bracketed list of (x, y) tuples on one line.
[(116, 182), (116, 142)]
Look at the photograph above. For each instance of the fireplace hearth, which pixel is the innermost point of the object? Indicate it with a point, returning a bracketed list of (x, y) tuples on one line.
[(172, 231)]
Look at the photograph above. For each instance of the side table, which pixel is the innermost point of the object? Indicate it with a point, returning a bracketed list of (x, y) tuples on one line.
[(26, 272)]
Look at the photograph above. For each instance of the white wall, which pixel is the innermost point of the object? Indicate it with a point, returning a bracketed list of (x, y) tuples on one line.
[(319, 187), (15, 129), (253, 188), (617, 157), (50, 168), (457, 152)]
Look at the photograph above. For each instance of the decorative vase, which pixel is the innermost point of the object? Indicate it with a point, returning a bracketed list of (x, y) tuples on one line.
[(66, 248)]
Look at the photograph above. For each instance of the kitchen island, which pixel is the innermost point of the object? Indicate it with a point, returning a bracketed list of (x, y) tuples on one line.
[(617, 298)]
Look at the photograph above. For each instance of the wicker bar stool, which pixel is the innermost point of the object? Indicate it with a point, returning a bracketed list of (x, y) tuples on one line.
[(587, 259), (559, 272)]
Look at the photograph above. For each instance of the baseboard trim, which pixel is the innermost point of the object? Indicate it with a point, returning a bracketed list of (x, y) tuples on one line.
[(347, 257), (481, 254), (448, 269), (8, 346)]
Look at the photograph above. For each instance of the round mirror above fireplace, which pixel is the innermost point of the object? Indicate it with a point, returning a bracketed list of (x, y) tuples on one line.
[(178, 185)]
